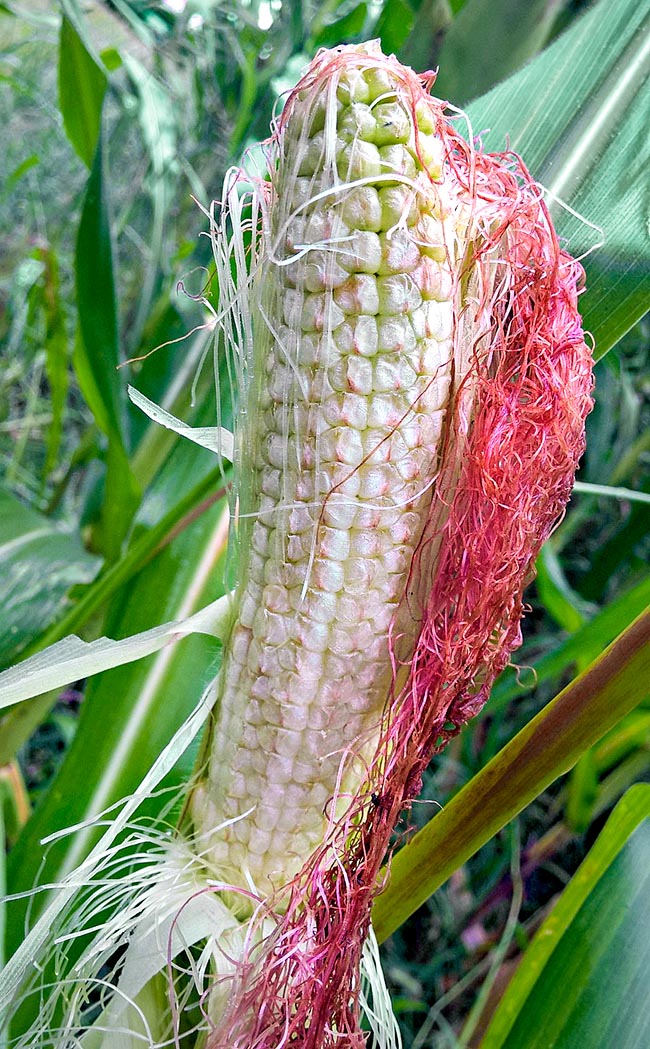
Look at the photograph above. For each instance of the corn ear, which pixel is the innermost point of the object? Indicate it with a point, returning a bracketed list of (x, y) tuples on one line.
[(415, 383), (352, 370)]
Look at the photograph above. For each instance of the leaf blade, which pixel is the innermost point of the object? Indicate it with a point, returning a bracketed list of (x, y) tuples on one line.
[(82, 86), (543, 750), (582, 132)]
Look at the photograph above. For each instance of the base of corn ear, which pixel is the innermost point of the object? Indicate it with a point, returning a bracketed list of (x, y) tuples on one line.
[(413, 383)]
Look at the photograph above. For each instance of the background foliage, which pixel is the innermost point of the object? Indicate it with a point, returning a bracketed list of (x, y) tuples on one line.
[(115, 115)]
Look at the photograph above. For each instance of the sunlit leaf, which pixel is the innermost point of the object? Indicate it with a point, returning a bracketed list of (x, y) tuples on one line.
[(73, 659), (579, 114), (216, 439)]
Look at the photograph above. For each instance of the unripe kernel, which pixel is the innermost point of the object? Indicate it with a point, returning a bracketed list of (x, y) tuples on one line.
[(398, 252), (399, 206), (398, 293), (397, 160), (361, 209), (353, 87), (393, 124), (358, 121), (362, 253), (358, 160)]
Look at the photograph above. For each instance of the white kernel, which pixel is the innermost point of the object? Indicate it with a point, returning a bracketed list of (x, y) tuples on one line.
[(320, 313), (384, 411), (295, 548), (288, 743), (320, 271), (398, 293), (359, 375), (339, 511), (312, 634), (294, 715), (340, 642), (240, 640), (271, 484), (399, 253), (334, 543), (300, 517), (292, 308), (358, 295), (328, 576), (354, 411), (362, 253), (320, 606), (377, 481), (276, 599)]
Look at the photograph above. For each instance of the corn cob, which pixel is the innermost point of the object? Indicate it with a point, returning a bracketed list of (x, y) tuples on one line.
[(412, 421), (353, 359)]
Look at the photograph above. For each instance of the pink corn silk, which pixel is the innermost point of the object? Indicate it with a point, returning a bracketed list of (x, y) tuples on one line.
[(506, 475)]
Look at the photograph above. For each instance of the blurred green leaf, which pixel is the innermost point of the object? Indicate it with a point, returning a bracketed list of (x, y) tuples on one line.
[(583, 980), (579, 114), (344, 28), (560, 600), (22, 169), (111, 58), (544, 749), (56, 351), (96, 355), (487, 42), (82, 86), (394, 25), (432, 20), (157, 117), (39, 562), (582, 793)]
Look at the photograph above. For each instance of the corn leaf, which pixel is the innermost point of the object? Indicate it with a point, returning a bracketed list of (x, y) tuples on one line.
[(96, 355), (583, 980), (39, 561), (82, 86), (21, 965), (576, 651), (546, 748), (139, 707), (579, 114), (72, 659), (487, 42)]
